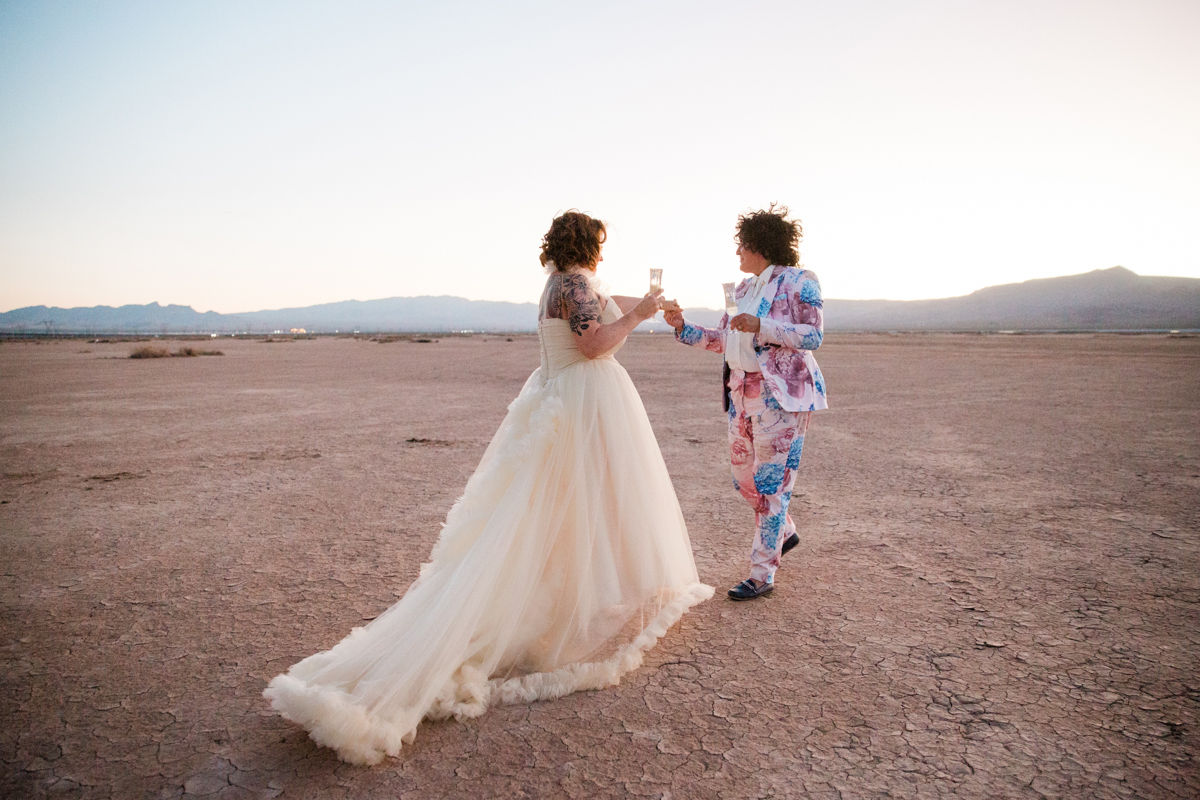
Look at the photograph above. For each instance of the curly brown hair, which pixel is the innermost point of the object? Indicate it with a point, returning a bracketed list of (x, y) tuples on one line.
[(771, 234), (574, 239)]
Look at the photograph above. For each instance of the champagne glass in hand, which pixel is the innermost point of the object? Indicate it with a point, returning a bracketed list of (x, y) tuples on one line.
[(650, 305), (655, 280), (731, 307)]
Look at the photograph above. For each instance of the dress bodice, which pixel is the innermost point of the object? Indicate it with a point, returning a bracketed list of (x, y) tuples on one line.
[(559, 344)]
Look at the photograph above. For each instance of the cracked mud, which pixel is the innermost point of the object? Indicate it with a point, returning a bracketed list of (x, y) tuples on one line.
[(997, 592)]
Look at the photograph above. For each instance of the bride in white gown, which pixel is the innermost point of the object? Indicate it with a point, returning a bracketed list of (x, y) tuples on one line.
[(563, 562)]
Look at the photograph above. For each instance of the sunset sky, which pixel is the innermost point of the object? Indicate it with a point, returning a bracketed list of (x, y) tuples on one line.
[(238, 156)]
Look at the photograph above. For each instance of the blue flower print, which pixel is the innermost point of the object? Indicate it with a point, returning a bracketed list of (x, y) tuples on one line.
[(810, 292), (819, 385), (785, 500), (737, 487), (793, 458), (811, 340), (770, 530), (768, 397), (764, 306), (769, 478), (690, 334)]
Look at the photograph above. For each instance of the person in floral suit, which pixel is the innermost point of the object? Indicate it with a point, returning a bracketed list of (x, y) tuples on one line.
[(772, 382)]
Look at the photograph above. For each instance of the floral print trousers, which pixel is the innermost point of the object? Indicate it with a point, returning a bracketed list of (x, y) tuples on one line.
[(765, 443)]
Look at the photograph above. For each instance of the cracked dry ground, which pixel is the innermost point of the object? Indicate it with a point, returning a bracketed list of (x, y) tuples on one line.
[(996, 594)]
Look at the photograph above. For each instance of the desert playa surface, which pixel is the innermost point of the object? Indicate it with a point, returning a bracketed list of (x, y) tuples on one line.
[(997, 592)]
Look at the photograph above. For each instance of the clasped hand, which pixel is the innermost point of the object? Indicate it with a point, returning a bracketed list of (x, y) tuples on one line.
[(673, 316), (650, 305), (653, 302)]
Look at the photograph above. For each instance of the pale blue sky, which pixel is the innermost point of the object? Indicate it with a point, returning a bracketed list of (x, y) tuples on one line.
[(246, 155)]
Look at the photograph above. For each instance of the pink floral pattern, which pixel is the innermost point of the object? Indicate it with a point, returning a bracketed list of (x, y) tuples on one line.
[(765, 443), (791, 328)]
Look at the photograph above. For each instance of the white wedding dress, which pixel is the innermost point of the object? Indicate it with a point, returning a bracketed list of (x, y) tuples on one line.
[(565, 559)]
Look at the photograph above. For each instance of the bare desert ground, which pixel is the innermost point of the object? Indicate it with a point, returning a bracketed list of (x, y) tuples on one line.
[(997, 593)]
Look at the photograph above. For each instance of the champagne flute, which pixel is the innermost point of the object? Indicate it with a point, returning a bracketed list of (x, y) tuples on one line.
[(655, 280), (731, 307)]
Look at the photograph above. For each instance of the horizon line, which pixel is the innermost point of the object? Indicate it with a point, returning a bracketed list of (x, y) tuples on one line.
[(528, 302)]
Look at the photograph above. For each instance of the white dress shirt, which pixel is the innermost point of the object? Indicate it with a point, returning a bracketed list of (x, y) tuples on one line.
[(739, 345)]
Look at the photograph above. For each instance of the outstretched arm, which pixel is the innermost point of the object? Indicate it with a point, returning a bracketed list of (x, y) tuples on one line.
[(695, 335), (625, 303), (581, 309)]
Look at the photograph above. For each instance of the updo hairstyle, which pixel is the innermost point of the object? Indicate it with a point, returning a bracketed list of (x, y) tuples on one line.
[(574, 239)]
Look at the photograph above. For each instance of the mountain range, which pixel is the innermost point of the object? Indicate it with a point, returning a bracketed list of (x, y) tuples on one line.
[(1104, 299)]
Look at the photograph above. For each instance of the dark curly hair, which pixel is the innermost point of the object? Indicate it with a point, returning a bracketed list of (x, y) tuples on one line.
[(771, 234), (573, 239)]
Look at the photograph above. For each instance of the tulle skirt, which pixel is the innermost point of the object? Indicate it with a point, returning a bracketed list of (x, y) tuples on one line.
[(565, 560)]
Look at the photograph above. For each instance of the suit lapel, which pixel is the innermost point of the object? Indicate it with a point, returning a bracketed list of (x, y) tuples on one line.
[(773, 285), (777, 275)]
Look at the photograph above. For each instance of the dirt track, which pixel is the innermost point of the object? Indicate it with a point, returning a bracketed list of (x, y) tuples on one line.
[(997, 593)]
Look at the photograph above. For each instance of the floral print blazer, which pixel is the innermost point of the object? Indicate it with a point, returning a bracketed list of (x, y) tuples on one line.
[(791, 327)]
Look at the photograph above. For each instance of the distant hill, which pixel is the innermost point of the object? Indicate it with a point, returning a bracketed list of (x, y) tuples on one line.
[(1105, 299), (406, 314)]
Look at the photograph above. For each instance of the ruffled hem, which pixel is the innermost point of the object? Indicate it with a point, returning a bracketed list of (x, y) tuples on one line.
[(336, 721)]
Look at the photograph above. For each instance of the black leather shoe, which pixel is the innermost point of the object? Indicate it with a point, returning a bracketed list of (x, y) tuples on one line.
[(789, 543), (750, 589)]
